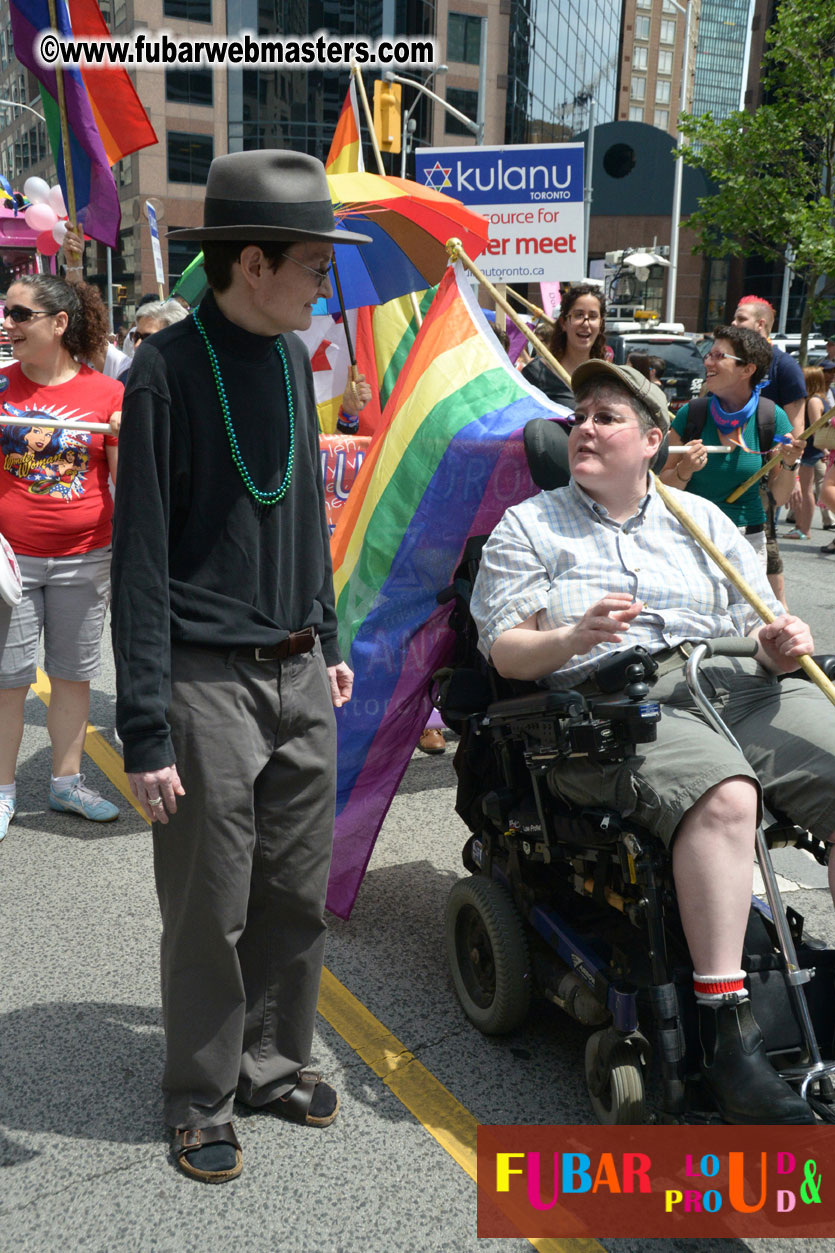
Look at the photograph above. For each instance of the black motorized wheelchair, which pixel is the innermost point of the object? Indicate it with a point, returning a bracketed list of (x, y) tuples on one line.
[(578, 906)]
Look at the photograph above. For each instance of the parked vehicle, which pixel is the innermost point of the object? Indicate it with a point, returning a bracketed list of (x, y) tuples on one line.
[(685, 369)]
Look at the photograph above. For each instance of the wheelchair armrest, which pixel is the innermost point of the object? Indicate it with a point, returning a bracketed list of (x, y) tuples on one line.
[(826, 662), (558, 704)]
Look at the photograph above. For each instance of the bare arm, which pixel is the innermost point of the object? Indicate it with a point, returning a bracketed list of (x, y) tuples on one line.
[(524, 652), (782, 642)]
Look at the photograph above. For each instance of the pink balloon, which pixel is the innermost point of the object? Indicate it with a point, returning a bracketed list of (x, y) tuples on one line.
[(46, 245), (59, 230), (39, 217), (55, 200)]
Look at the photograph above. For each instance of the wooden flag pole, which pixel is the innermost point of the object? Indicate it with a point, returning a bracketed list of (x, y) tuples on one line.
[(65, 131), (732, 574), (378, 156), (535, 309), (456, 250), (704, 541), (772, 461)]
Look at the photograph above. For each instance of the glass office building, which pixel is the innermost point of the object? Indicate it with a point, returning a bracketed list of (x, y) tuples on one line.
[(560, 53), (280, 109), (720, 57)]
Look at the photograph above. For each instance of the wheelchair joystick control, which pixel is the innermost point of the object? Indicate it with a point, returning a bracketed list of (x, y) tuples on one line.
[(636, 688)]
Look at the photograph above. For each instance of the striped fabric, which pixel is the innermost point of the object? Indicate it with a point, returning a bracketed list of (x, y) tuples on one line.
[(447, 464), (560, 553)]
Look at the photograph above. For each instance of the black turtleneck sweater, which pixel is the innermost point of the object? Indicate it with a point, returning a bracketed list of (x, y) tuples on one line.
[(195, 559)]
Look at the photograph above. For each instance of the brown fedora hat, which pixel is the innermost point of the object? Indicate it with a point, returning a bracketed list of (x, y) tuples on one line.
[(270, 193)]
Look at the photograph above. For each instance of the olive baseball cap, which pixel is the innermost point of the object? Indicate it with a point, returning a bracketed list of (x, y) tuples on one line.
[(633, 380)]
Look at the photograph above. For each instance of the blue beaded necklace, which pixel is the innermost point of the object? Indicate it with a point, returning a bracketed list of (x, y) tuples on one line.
[(263, 498)]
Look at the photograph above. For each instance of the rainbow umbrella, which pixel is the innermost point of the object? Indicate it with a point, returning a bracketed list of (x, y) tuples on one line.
[(408, 225)]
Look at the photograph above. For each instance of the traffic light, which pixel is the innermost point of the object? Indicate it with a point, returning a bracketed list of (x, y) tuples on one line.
[(119, 292), (387, 121)]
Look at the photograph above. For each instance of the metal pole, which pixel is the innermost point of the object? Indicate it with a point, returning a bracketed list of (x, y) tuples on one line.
[(672, 277), (788, 276), (482, 83), (109, 289), (587, 190)]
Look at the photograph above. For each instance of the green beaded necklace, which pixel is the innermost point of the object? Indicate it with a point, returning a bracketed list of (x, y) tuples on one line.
[(263, 498)]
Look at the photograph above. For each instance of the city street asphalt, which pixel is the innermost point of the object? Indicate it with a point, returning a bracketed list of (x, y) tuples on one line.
[(82, 1145)]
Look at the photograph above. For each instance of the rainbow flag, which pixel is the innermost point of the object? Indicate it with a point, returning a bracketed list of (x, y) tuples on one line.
[(446, 464), (123, 124), (345, 156), (96, 199), (393, 330)]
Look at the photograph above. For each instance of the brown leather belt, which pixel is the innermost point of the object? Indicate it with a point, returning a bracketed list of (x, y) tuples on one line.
[(296, 642)]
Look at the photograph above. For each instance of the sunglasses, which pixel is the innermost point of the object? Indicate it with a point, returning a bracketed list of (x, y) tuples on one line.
[(716, 355), (138, 336), (19, 313), (322, 276)]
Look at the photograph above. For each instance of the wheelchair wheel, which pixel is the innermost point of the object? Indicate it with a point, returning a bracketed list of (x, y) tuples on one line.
[(622, 1099), (488, 955)]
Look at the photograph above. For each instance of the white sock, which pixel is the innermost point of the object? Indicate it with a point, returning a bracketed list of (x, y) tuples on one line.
[(712, 989), (8, 791), (64, 782)]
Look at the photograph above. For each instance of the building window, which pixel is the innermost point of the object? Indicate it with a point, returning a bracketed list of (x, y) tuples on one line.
[(636, 113), (189, 157), (188, 86), (464, 38), (668, 32), (639, 57), (643, 4), (662, 118), (191, 10), (465, 102), (642, 28), (665, 62), (638, 90), (662, 91), (669, 7)]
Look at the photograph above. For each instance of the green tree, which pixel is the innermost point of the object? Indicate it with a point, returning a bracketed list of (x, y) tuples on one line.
[(774, 169)]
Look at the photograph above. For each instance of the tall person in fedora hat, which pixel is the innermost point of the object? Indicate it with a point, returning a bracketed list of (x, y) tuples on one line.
[(228, 665)]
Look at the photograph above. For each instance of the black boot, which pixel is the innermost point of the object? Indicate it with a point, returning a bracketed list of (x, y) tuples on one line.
[(736, 1069)]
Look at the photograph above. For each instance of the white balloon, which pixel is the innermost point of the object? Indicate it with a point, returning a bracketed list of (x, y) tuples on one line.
[(36, 189), (59, 230), (55, 200)]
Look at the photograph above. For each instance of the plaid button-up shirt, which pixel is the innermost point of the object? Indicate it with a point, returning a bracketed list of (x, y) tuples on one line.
[(558, 553)]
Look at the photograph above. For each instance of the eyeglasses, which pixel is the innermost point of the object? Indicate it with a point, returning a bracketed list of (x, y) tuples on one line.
[(715, 355), (138, 336), (577, 317), (19, 313), (323, 276), (605, 418)]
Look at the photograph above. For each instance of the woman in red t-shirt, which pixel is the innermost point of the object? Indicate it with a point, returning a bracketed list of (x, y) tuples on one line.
[(55, 511)]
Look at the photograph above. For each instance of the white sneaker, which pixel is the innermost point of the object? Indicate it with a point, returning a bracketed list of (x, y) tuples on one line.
[(7, 813)]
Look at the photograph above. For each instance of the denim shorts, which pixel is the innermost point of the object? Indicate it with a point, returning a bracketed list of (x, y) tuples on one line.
[(66, 598)]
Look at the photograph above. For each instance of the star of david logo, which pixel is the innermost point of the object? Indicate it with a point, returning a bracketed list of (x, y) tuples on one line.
[(438, 177)]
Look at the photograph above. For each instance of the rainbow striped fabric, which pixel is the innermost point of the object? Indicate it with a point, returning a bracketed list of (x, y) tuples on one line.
[(345, 156), (448, 461)]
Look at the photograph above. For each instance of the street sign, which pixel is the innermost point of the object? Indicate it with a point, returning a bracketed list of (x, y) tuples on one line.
[(155, 245), (531, 195)]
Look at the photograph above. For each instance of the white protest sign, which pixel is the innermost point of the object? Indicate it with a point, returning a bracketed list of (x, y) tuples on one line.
[(532, 197), (155, 245)]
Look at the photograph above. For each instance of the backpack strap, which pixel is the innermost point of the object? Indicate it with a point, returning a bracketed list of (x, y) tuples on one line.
[(696, 418), (766, 422)]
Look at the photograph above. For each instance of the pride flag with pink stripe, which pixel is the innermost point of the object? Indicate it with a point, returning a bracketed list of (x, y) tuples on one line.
[(445, 465)]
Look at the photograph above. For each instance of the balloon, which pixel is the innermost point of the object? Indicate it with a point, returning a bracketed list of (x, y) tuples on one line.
[(46, 245), (59, 230), (36, 190), (39, 217), (55, 200)]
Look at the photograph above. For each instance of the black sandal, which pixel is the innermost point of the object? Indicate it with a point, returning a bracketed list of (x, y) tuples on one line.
[(189, 1150), (829, 548), (311, 1103)]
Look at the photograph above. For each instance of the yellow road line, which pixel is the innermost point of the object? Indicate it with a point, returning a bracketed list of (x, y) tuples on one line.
[(424, 1096)]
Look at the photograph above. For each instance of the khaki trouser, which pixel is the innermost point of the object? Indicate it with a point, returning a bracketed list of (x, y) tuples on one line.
[(241, 872)]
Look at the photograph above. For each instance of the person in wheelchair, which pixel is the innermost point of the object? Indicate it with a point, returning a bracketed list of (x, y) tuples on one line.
[(572, 575)]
